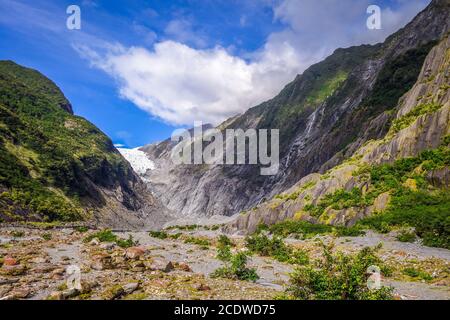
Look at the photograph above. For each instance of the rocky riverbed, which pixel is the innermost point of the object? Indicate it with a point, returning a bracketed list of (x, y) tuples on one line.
[(34, 264)]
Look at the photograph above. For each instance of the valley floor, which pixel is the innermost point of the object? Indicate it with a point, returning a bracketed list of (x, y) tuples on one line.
[(35, 261)]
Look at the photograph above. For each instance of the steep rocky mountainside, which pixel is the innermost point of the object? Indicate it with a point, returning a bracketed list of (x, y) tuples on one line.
[(405, 175), (55, 166), (324, 116)]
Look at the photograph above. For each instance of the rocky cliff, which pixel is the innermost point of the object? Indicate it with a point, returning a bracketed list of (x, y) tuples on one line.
[(324, 116), (406, 168), (55, 166)]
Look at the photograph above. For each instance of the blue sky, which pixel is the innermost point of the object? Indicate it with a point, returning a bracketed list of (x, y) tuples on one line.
[(139, 69)]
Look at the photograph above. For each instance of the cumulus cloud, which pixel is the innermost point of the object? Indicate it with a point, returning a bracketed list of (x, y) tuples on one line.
[(179, 83)]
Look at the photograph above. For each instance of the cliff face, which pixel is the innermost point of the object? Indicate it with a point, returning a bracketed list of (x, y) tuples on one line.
[(55, 166), (324, 116), (413, 156)]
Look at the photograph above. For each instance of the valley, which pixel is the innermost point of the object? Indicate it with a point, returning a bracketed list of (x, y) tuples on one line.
[(358, 210)]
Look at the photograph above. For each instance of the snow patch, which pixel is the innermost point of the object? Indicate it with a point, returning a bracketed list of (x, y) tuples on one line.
[(138, 160)]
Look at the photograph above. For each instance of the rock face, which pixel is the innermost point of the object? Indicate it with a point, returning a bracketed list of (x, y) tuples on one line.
[(422, 131), (324, 116), (57, 166)]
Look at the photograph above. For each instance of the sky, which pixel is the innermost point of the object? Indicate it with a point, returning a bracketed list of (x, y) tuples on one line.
[(140, 69)]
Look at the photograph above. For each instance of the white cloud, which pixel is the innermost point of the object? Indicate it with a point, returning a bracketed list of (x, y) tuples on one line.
[(180, 84)]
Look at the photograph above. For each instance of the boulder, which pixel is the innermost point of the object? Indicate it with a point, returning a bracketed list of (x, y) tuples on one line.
[(134, 253), (130, 287), (9, 261)]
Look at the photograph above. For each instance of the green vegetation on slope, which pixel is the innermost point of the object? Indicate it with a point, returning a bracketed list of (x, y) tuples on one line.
[(397, 77), (415, 202), (50, 160)]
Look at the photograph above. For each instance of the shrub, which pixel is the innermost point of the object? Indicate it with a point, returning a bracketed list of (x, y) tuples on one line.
[(108, 236), (158, 234), (126, 243), (197, 241), (236, 268), (81, 229), (18, 234), (47, 236), (275, 248), (406, 236), (414, 273), (337, 277)]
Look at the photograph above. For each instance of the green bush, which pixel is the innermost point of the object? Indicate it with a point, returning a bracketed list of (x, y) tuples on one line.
[(158, 234), (275, 248), (406, 236), (303, 229), (108, 236), (337, 277), (197, 241), (414, 273), (47, 236)]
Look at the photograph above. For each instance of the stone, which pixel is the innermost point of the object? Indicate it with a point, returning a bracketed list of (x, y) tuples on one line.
[(9, 261), (185, 267), (70, 293), (94, 242), (108, 245), (134, 252), (381, 202), (161, 265), (55, 295), (203, 287), (21, 293), (130, 287), (101, 262), (16, 270), (38, 260), (58, 272)]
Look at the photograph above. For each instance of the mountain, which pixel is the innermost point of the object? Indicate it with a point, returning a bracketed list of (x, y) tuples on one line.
[(56, 166), (324, 116), (400, 179)]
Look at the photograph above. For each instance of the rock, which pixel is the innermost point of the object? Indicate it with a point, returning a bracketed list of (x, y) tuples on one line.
[(4, 281), (70, 293), (381, 202), (185, 267), (58, 272), (21, 293), (16, 270), (102, 262), (203, 287), (134, 252), (439, 177), (94, 242), (130, 287), (39, 260), (108, 245), (9, 261), (55, 295), (161, 265)]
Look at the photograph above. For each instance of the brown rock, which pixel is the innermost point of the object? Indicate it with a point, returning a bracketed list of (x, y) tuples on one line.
[(162, 265), (184, 266), (21, 293), (16, 270), (134, 252), (9, 261)]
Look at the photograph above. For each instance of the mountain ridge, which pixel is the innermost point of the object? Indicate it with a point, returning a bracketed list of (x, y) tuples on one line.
[(323, 116)]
